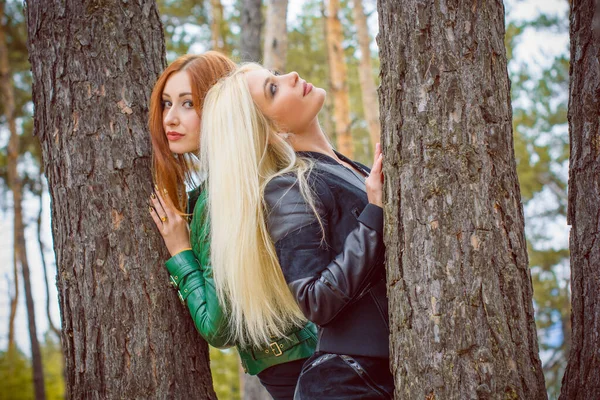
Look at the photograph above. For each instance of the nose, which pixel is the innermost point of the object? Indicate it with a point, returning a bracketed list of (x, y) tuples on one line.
[(171, 117), (294, 77)]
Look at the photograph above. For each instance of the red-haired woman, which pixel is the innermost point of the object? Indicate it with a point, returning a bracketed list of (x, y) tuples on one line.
[(175, 110)]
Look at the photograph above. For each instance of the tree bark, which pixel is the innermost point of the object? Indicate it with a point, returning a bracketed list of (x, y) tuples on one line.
[(216, 26), (582, 376), (276, 39), (251, 26), (15, 184), (124, 334), (459, 286), (365, 72), (338, 75)]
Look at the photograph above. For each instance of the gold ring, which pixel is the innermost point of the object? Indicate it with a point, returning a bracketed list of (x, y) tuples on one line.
[(163, 219)]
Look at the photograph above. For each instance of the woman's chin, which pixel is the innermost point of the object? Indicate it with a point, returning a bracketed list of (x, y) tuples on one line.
[(180, 149)]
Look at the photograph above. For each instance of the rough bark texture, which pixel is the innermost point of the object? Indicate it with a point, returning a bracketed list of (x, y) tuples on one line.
[(251, 26), (582, 376), (125, 335), (365, 73), (338, 75), (459, 287), (216, 24), (252, 389), (276, 41), (16, 186)]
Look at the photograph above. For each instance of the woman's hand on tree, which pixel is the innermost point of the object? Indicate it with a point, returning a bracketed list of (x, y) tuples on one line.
[(172, 226), (374, 181)]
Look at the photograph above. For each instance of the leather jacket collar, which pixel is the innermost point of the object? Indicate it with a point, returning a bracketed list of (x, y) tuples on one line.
[(328, 160)]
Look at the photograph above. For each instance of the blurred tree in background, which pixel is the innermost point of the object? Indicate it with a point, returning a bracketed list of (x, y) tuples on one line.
[(540, 100)]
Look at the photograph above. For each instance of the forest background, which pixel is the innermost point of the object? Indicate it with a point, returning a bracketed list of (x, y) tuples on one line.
[(537, 46)]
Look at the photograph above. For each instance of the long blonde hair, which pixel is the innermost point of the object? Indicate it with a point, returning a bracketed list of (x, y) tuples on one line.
[(241, 152)]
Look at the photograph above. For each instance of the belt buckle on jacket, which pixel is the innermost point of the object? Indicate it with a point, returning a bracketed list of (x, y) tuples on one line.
[(276, 349)]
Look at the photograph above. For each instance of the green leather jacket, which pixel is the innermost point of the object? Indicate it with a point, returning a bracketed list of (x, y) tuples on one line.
[(191, 274)]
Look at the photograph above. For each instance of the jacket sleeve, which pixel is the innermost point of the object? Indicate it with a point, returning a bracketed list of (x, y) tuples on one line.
[(322, 281), (196, 289)]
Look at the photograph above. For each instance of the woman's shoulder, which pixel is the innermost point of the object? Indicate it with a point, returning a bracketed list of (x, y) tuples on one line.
[(282, 189), (288, 185)]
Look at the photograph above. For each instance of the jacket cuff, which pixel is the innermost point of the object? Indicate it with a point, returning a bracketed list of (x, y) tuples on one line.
[(372, 216), (181, 265)]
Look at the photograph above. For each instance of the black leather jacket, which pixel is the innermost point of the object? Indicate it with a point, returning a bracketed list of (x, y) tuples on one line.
[(339, 282)]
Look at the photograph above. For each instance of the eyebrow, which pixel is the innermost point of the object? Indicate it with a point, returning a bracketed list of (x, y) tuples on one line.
[(180, 95)]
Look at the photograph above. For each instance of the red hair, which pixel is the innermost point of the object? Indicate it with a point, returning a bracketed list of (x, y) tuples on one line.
[(172, 171)]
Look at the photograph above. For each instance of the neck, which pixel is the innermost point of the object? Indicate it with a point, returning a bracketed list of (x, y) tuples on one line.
[(312, 139)]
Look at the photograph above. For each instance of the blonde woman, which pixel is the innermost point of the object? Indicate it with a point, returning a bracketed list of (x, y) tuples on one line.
[(301, 225), (175, 109)]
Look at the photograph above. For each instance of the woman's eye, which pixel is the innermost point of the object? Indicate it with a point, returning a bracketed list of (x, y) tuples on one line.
[(166, 104), (188, 104), (273, 89)]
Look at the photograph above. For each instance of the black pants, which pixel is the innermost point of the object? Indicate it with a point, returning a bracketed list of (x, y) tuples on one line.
[(280, 380), (334, 376)]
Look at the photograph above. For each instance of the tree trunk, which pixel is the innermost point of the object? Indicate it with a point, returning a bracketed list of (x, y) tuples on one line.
[(6, 89), (36, 354), (365, 72), (14, 302), (582, 376), (216, 26), (124, 334), (14, 182), (338, 76), (275, 52), (459, 286), (42, 248), (327, 110), (251, 26)]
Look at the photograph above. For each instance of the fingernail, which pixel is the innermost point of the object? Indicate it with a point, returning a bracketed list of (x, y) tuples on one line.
[(156, 187), (153, 196), (165, 191), (150, 209)]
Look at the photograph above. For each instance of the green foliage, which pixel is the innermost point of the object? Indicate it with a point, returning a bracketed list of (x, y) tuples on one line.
[(16, 376), (185, 22), (542, 152), (16, 35), (16, 380), (307, 55), (52, 359), (224, 365)]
